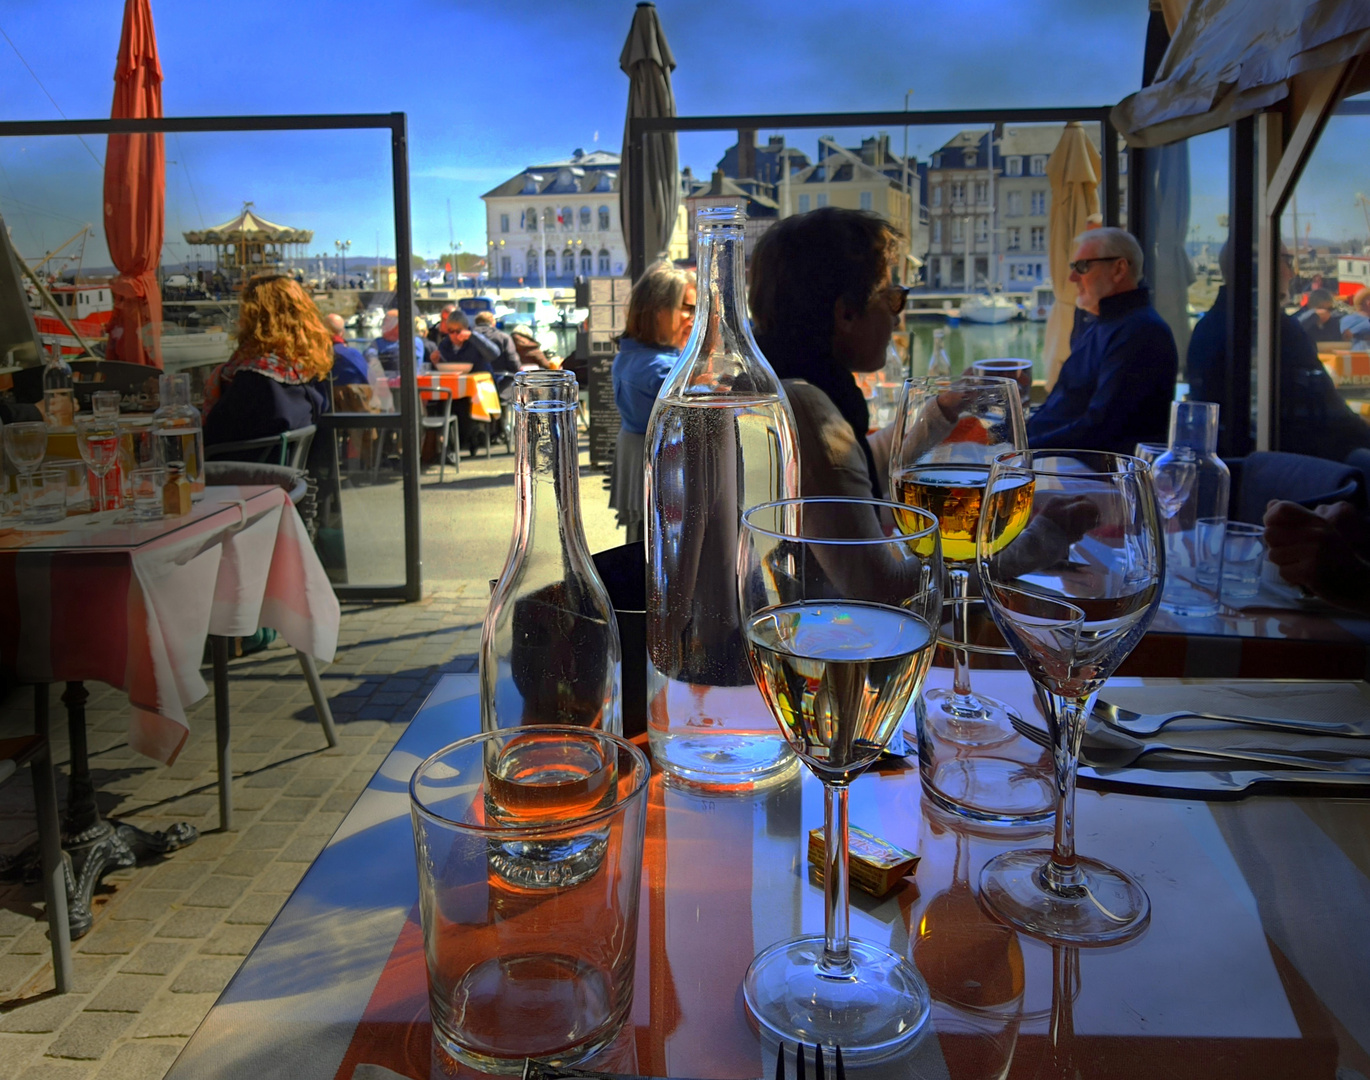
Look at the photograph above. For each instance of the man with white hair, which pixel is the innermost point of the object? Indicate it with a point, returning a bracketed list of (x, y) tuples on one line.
[(1116, 386), (349, 366)]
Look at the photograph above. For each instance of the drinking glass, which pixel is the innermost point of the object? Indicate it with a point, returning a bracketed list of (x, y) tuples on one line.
[(1020, 371), (1174, 482), (1072, 612), (97, 437), (839, 622), (139, 448), (105, 403), (948, 432), (26, 444), (517, 972), (145, 493), (43, 495)]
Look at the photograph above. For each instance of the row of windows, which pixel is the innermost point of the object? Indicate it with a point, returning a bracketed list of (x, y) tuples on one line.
[(568, 262), (553, 219), (981, 191), (821, 199), (1037, 234), (1013, 165)]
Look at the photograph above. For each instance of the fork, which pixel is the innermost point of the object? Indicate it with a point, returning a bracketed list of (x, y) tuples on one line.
[(1144, 724), (817, 1062), (1120, 757)]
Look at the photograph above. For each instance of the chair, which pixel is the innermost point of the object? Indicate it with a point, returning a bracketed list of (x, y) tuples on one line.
[(294, 482), (35, 752), (1308, 481), (289, 448), (443, 421)]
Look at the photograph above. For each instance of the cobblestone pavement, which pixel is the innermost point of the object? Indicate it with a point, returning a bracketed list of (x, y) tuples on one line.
[(168, 935)]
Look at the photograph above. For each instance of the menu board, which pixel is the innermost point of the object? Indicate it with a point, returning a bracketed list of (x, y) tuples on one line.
[(604, 419)]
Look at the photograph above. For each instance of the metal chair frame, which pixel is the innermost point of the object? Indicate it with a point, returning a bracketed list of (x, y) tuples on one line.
[(293, 447), (430, 386)]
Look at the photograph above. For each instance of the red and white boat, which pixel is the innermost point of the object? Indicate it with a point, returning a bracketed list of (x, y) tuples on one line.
[(89, 306), (1353, 274)]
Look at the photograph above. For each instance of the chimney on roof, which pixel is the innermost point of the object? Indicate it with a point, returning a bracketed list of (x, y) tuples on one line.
[(579, 153), (746, 153)]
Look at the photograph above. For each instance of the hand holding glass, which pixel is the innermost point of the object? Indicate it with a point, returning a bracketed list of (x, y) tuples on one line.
[(1071, 621), (839, 622)]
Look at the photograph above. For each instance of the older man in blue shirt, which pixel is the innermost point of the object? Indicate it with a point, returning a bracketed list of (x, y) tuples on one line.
[(1116, 386)]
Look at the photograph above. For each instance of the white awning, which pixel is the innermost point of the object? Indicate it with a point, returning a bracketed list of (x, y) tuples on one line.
[(1232, 58)]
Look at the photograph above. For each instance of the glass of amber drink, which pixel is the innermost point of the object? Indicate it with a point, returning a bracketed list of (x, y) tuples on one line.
[(529, 850)]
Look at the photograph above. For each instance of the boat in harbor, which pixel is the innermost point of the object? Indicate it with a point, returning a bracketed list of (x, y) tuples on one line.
[(88, 306), (1039, 303), (182, 348), (990, 308)]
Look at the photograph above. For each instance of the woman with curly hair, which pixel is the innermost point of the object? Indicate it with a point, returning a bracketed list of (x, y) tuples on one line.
[(275, 380)]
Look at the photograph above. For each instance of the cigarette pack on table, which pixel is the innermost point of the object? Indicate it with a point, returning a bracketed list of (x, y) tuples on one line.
[(876, 867), (176, 494)]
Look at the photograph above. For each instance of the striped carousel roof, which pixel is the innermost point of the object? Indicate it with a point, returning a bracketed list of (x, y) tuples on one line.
[(247, 227)]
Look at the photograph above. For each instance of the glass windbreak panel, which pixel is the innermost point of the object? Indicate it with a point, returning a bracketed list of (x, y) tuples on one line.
[(1323, 358), (235, 206)]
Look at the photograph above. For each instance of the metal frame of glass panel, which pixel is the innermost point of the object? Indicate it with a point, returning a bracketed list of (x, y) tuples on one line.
[(408, 419)]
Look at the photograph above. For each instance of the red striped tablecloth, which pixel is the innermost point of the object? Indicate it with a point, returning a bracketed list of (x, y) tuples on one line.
[(131, 604)]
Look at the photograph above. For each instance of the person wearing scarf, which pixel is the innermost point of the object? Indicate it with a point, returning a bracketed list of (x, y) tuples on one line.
[(273, 382), (823, 308)]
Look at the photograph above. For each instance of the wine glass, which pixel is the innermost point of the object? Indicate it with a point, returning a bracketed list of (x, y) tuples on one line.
[(948, 432), (840, 623), (97, 437), (1175, 480), (26, 444), (1020, 371), (1073, 598)]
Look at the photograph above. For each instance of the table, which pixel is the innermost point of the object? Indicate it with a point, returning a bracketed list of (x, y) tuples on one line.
[(131, 604), (479, 386), (1255, 963)]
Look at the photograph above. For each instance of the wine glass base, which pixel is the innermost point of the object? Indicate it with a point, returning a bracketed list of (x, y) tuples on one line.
[(990, 725), (1110, 907), (877, 1009)]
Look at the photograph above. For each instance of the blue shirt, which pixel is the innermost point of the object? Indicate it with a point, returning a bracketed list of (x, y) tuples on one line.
[(388, 353), (639, 371), (349, 366), (1116, 386)]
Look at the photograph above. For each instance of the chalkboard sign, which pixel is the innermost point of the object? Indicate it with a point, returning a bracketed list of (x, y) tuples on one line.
[(604, 419)]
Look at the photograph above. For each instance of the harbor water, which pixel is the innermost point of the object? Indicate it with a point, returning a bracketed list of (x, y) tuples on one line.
[(968, 342)]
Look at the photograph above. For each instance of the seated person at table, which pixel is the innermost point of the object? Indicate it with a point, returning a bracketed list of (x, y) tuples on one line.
[(661, 311), (464, 351), (506, 365), (1313, 418), (1326, 551), (349, 365), (1355, 327), (526, 345), (275, 379), (438, 330), (1317, 319), (386, 348), (1116, 386)]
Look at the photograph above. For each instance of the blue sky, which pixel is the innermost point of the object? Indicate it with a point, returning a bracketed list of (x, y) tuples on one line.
[(489, 89)]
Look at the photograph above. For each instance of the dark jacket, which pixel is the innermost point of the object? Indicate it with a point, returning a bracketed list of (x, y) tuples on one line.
[(507, 362), (1116, 386), (254, 406), (349, 366), (1313, 417), (477, 351)]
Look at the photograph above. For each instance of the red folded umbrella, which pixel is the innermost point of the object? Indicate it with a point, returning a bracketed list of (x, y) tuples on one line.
[(135, 195)]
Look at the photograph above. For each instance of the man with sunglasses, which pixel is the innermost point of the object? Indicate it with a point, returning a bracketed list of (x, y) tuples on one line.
[(1116, 386)]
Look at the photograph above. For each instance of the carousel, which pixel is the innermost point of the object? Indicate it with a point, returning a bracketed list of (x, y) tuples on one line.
[(249, 244)]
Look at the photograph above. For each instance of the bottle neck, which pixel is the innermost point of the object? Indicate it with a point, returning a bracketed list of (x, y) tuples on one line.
[(547, 482), (720, 312)]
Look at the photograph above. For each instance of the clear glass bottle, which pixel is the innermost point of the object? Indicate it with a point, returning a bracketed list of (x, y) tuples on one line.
[(549, 650), (179, 430), (939, 364), (1192, 486), (59, 404), (720, 440)]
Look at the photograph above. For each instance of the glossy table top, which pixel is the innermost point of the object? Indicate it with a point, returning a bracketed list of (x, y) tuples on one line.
[(1256, 962)]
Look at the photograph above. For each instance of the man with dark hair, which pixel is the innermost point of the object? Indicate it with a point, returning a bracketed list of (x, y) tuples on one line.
[(823, 308), (1116, 386), (1316, 320), (506, 365), (461, 350), (438, 331)]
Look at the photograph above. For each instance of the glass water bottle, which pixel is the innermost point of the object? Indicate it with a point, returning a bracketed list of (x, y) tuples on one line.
[(1192, 485), (939, 364), (180, 432), (59, 404), (549, 650), (720, 440)]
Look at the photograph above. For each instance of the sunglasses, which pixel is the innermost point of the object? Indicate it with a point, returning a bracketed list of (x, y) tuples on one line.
[(895, 298), (1081, 266)]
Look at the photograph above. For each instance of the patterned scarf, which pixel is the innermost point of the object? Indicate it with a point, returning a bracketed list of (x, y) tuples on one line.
[(272, 366)]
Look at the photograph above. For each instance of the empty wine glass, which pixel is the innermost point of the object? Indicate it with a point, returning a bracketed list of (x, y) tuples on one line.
[(840, 627), (1072, 612), (97, 437), (1175, 480), (26, 444), (948, 432)]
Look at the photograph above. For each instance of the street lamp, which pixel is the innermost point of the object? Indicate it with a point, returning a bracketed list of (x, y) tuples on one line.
[(342, 246)]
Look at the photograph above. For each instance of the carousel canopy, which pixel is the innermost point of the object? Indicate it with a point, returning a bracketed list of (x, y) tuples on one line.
[(249, 227)]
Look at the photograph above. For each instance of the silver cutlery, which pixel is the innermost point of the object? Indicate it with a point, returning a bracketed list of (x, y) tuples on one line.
[(1128, 750), (1145, 724), (817, 1062)]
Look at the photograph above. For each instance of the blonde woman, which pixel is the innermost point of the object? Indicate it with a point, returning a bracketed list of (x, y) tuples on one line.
[(274, 381), (661, 312)]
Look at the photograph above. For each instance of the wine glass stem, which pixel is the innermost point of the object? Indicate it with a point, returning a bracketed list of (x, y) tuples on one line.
[(960, 593), (836, 883), (1061, 874)]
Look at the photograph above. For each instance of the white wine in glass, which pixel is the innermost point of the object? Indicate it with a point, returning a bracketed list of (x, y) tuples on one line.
[(839, 623)]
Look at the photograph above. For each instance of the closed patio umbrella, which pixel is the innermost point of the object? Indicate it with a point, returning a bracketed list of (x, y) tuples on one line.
[(135, 194), (1073, 170), (648, 63)]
